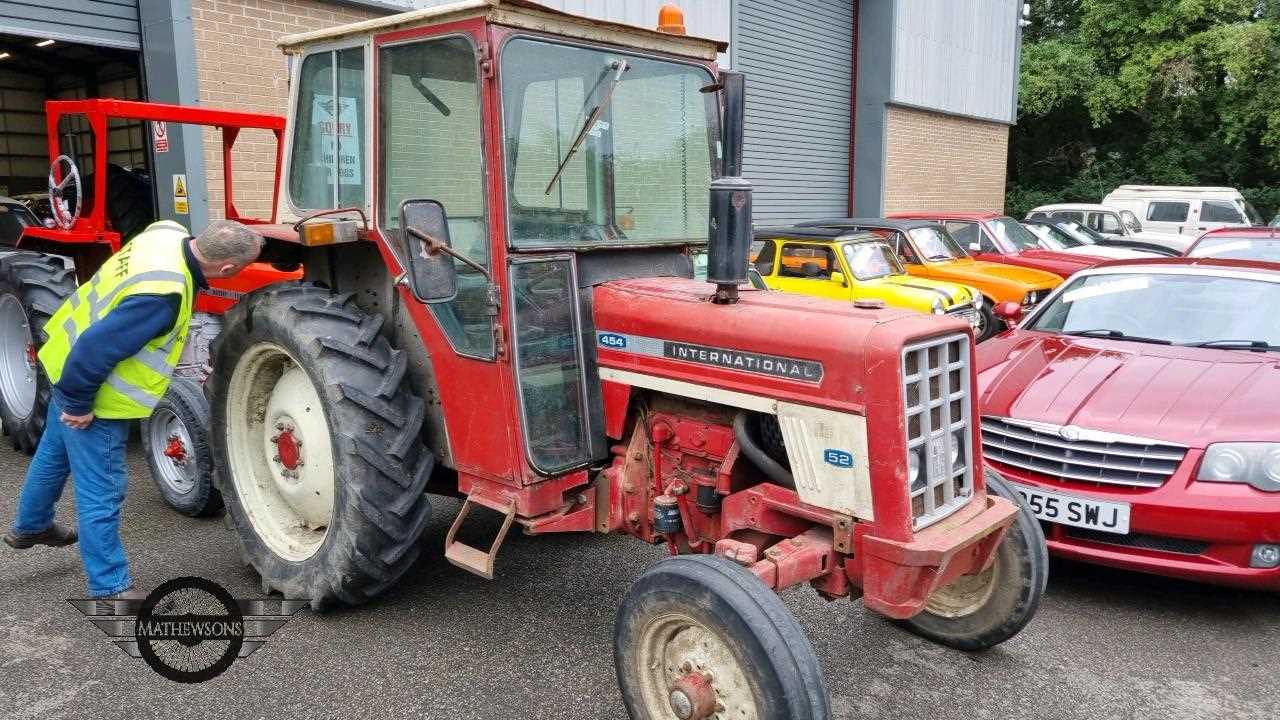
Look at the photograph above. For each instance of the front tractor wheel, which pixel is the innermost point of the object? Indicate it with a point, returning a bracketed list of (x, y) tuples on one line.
[(979, 611), (32, 287), (699, 637), (316, 441), (175, 440)]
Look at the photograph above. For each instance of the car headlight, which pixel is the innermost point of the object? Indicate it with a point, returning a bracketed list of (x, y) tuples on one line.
[(938, 308), (1031, 298), (1250, 463), (977, 301)]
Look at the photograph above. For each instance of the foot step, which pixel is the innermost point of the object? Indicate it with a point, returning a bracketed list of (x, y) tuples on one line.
[(473, 559)]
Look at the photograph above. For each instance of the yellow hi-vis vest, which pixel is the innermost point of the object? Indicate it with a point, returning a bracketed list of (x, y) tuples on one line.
[(151, 264)]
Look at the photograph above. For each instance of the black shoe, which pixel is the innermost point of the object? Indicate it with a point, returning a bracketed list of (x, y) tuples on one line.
[(55, 536)]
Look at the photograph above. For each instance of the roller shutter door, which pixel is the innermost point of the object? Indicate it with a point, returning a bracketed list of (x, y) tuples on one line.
[(798, 57), (112, 23)]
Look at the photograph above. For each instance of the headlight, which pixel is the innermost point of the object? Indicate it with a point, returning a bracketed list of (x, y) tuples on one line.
[(1251, 463), (957, 450), (913, 469), (938, 308), (977, 301), (1031, 298)]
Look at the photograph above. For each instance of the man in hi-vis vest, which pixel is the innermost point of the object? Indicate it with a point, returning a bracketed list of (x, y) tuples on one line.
[(112, 348)]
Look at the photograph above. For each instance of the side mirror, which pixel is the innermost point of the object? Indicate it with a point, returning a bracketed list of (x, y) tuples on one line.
[(975, 247), (424, 230), (1008, 311), (838, 278)]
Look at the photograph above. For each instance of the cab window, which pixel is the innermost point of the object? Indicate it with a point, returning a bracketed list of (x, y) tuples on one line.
[(1168, 211), (969, 234), (811, 262), (1219, 211), (1105, 223), (326, 166), (1075, 216)]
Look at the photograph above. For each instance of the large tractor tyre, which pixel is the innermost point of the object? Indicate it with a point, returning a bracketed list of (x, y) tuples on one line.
[(175, 440), (700, 637), (128, 201), (979, 611), (316, 445), (988, 323), (32, 287)]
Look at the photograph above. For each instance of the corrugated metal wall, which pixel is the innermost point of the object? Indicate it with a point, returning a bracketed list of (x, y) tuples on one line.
[(957, 57), (798, 57), (95, 22)]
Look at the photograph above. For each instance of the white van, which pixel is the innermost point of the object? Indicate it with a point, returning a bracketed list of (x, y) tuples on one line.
[(1187, 211)]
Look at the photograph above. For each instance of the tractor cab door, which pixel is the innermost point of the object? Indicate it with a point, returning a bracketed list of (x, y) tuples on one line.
[(430, 145)]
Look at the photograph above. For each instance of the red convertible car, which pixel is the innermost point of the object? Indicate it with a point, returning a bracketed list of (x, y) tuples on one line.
[(1137, 410), (998, 238)]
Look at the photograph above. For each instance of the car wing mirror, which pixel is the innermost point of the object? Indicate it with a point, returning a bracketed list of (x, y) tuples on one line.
[(838, 278), (430, 271)]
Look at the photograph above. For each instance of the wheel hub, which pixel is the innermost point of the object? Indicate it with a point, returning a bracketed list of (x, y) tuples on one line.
[(693, 697), (288, 457), (18, 362), (176, 450)]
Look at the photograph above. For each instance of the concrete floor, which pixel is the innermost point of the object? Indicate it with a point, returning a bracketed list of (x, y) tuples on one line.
[(537, 641)]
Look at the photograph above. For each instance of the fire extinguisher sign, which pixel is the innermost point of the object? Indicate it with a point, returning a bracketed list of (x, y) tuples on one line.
[(160, 136)]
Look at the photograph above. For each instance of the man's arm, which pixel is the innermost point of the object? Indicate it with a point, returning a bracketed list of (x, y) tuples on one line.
[(121, 334)]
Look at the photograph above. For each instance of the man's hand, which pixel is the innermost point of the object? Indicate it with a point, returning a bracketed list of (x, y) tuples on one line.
[(77, 422)]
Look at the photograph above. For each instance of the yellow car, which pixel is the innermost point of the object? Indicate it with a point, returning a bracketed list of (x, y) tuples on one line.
[(854, 266)]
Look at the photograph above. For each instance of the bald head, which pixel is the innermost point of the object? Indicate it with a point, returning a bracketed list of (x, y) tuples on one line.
[(226, 247)]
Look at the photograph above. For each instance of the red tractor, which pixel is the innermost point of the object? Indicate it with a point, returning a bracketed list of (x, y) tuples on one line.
[(48, 262)]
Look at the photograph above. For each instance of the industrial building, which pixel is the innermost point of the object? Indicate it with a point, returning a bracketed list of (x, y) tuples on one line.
[(855, 106)]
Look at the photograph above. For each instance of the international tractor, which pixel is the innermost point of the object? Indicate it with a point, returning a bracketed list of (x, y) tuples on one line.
[(497, 208)]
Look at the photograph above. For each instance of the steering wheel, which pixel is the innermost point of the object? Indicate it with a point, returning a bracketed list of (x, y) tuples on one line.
[(60, 191)]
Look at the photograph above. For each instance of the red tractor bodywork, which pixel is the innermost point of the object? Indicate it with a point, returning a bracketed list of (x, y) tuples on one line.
[(668, 421), (92, 239)]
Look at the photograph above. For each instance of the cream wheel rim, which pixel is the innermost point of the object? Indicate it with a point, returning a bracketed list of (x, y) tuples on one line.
[(965, 595), (17, 358), (675, 647), (280, 451)]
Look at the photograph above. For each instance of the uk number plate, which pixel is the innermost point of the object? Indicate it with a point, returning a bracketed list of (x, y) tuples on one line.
[(1112, 517)]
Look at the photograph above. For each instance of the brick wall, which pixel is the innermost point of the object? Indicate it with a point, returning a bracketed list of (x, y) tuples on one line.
[(943, 162), (240, 68)]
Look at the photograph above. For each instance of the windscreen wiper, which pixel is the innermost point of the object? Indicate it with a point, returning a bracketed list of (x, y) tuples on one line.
[(619, 67), (1252, 345), (1109, 333)]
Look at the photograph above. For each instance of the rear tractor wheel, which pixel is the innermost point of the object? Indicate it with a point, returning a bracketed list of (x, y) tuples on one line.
[(699, 637), (315, 438), (32, 287), (175, 440), (979, 611)]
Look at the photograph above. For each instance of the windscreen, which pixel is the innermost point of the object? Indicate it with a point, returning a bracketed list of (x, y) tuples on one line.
[(1052, 238), (935, 244), (1238, 248), (605, 148), (1012, 236), (1173, 308), (869, 261)]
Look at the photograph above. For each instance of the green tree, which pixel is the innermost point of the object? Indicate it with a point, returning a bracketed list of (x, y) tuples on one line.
[(1147, 91)]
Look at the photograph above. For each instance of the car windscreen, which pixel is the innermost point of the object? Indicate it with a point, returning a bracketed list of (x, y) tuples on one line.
[(871, 260), (1050, 237), (1178, 308), (1130, 221), (1237, 248), (1251, 212), (935, 243), (1012, 236), (1083, 233)]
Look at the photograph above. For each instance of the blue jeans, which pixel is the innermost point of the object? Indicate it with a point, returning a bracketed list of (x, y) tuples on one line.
[(95, 458)]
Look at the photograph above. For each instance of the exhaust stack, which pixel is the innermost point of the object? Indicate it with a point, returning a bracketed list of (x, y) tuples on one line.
[(729, 238)]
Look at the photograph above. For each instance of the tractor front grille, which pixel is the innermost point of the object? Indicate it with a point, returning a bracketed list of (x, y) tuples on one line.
[(939, 426)]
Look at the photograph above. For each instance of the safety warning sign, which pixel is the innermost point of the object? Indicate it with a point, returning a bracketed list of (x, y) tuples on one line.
[(181, 205), (160, 136)]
